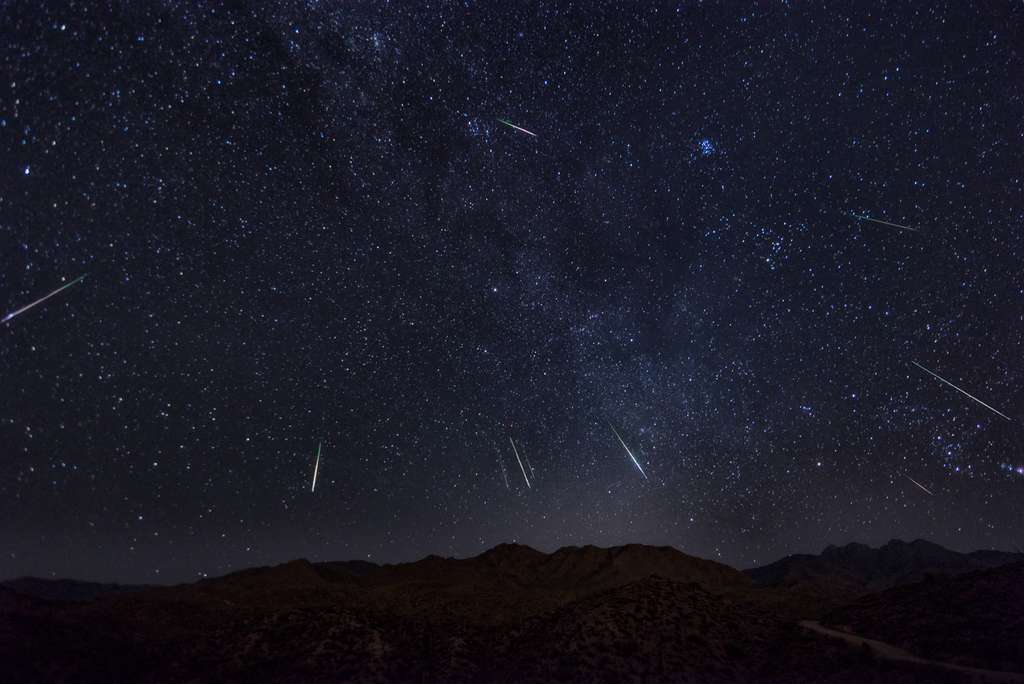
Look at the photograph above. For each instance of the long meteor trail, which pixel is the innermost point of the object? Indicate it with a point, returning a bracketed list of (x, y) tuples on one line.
[(41, 300), (518, 128), (926, 490), (516, 452), (973, 398), (316, 468), (884, 223), (635, 462)]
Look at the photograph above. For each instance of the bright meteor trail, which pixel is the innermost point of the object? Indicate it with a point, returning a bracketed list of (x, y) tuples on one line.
[(518, 128), (884, 223), (40, 301), (516, 452), (316, 468), (1002, 415), (927, 491), (635, 462)]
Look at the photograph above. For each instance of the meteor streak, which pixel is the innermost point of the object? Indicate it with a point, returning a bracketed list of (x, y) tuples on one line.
[(927, 491), (973, 398), (41, 300), (516, 452), (316, 468), (635, 462), (504, 473), (884, 223), (528, 465), (518, 128)]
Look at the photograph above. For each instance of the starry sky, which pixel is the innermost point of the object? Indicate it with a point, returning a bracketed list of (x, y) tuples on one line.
[(304, 222)]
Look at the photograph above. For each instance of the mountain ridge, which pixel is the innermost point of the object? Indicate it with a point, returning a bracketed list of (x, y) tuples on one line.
[(841, 573), (511, 613), (846, 560)]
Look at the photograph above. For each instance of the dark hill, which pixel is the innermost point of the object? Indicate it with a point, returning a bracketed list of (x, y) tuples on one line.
[(577, 569), (840, 574), (513, 581), (684, 628), (974, 619), (629, 613)]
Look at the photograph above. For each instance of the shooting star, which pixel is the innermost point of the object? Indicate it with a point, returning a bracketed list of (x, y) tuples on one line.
[(518, 128), (635, 462), (884, 223), (41, 300), (316, 468), (926, 490), (973, 398), (528, 465), (516, 452), (504, 473)]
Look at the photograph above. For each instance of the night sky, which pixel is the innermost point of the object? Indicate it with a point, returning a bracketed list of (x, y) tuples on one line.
[(308, 224)]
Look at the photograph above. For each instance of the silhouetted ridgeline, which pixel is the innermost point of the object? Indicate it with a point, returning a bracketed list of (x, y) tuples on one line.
[(630, 613)]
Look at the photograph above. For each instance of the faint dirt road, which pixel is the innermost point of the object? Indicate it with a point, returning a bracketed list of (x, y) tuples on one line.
[(890, 652)]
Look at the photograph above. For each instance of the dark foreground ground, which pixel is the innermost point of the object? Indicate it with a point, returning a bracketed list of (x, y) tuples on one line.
[(632, 613)]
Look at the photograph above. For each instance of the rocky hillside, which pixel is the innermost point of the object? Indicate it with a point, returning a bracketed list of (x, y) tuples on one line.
[(631, 613), (975, 619)]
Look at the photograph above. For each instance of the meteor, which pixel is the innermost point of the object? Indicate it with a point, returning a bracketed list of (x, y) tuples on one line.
[(518, 128), (316, 468), (40, 301), (635, 462), (884, 223), (973, 398), (516, 452), (504, 473), (528, 465), (927, 491)]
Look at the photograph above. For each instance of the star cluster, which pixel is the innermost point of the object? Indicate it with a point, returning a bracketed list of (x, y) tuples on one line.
[(306, 223)]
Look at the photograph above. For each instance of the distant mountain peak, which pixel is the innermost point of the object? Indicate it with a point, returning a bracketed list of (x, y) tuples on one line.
[(851, 547), (844, 572), (916, 543), (292, 573), (510, 548)]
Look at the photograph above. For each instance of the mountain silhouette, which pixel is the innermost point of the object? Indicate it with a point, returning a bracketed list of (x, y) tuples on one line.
[(513, 613), (841, 573)]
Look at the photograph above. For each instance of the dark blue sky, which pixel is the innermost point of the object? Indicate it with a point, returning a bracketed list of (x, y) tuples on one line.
[(307, 223)]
